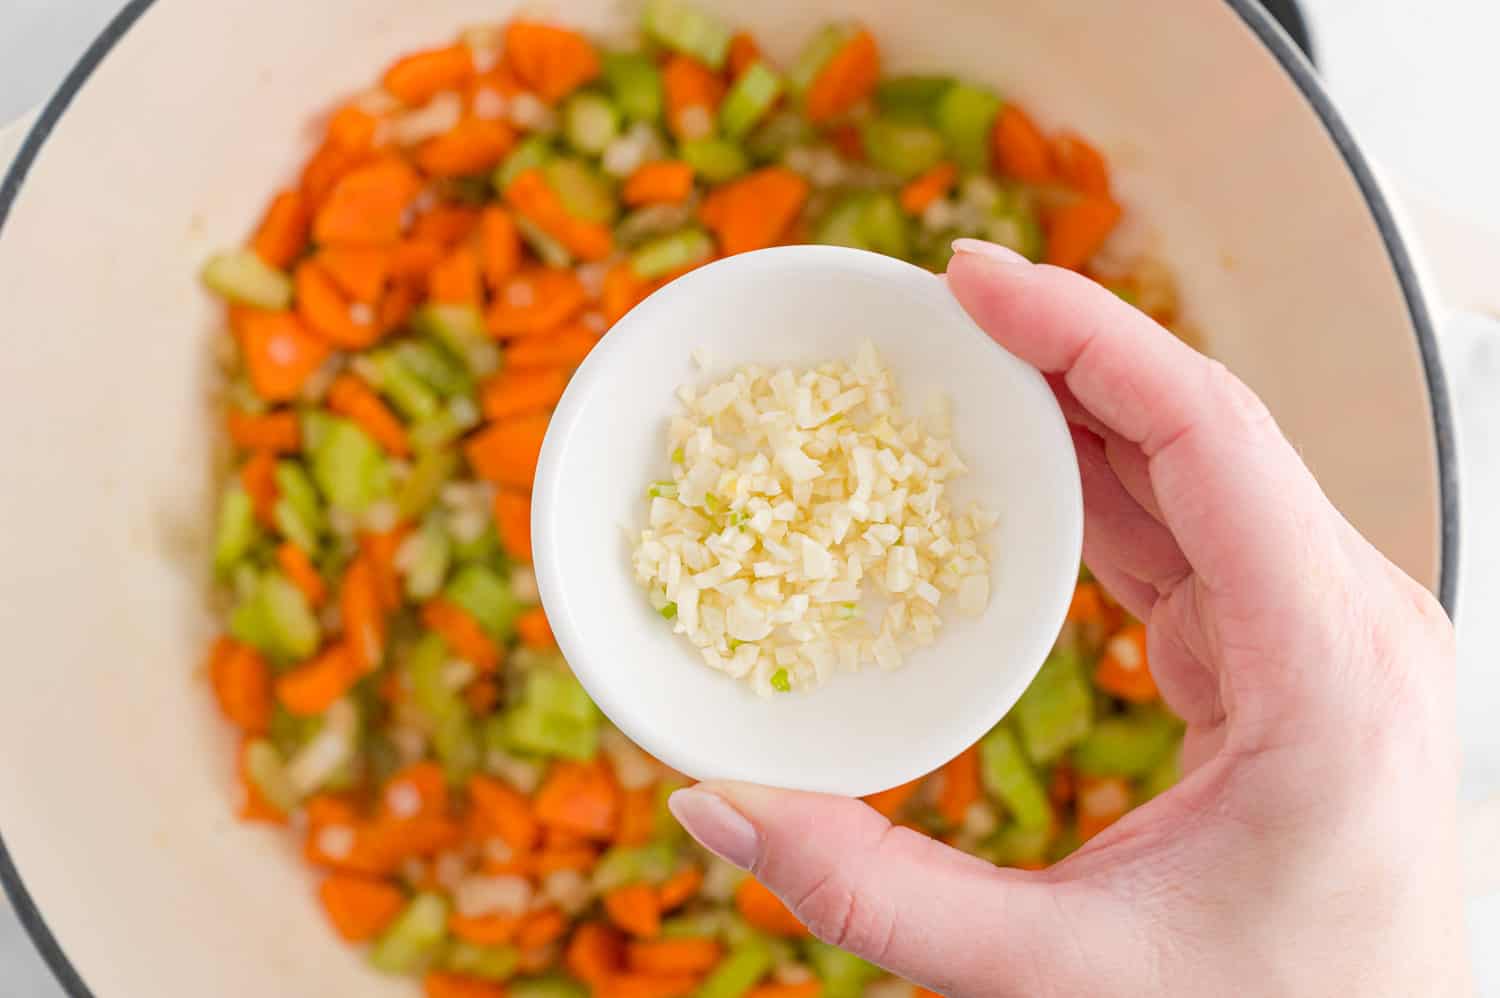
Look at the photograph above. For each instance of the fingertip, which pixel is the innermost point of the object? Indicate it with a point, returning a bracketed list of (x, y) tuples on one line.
[(717, 825)]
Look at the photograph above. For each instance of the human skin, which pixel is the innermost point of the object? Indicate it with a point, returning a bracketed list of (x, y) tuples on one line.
[(1310, 847)]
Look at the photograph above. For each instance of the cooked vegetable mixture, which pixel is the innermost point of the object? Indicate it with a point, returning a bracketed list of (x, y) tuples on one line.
[(404, 318)]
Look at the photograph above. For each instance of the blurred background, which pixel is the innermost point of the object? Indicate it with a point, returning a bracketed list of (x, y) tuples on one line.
[(1415, 79)]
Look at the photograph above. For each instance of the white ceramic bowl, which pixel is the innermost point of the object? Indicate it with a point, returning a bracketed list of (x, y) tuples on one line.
[(801, 306), (116, 800)]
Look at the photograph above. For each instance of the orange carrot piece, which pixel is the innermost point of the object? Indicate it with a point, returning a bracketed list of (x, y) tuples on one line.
[(515, 393), (580, 798), (744, 52), (253, 804), (363, 615), (360, 272), (505, 812), (960, 786), (304, 575), (359, 908), (846, 138), (419, 77), (441, 984), (807, 989), (368, 205), (280, 353), (474, 145), (637, 817), (242, 685), (929, 187), (551, 859), (484, 930), (1102, 800), (631, 985), (668, 181), (564, 347), (538, 928), (1079, 165), (1076, 231), (455, 280), (462, 634), (1062, 787), (412, 258), (1124, 670), (330, 164), (1087, 603), (427, 780), (349, 396), (282, 235), (258, 479), (755, 211), (314, 686), (535, 300), (635, 909), (623, 291), (550, 60), (445, 224), (692, 90), (848, 77), (482, 695), (890, 802), (533, 629), (278, 431), (680, 887), (673, 956), (380, 550), (513, 523), (325, 310), (595, 953), (499, 246), (532, 197), (765, 911), (506, 452), (396, 308), (1018, 146)]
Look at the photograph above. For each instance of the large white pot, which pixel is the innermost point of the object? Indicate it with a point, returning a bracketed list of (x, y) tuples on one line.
[(115, 801)]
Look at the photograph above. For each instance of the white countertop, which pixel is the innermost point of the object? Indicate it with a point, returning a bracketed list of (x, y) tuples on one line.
[(1416, 82)]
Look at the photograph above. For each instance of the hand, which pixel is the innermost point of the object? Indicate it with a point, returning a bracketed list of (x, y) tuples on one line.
[(1309, 848)]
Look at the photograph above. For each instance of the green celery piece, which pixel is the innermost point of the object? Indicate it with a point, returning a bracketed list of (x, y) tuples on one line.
[(591, 122), (740, 970), (289, 732), (248, 623), (748, 100), (653, 220), (415, 938), (484, 548), (884, 227), (911, 96), (670, 253), (1016, 844), (431, 470), (298, 511), (1164, 775), (652, 864), (399, 383), (815, 55), (1056, 710), (905, 148), (244, 278), (636, 84), (264, 768), (454, 739), (556, 692), (1018, 230), (965, 115), (453, 420), (291, 621), (1008, 776), (781, 681), (489, 963), (841, 226), (583, 190), (293, 527), (315, 426), (664, 826), (1129, 746), (844, 975), (715, 160), (435, 366), (547, 249), (546, 987), (460, 328), (697, 925), (528, 154), (434, 553), (778, 133), (535, 732), (236, 531), (488, 598), (456, 743), (350, 468), (1066, 843), (688, 29)]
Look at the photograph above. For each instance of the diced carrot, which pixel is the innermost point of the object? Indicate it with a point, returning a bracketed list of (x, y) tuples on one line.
[(277, 432), (595, 953), (744, 52), (359, 908), (849, 142), (349, 396), (516, 393), (1124, 670), (535, 300), (1079, 165), (499, 246), (848, 77), (633, 985), (242, 685), (426, 779), (462, 634), (1062, 786), (506, 452), (331, 163), (314, 686), (417, 78), (623, 291), (533, 629), (368, 205), (927, 188), (304, 574), (532, 197), (635, 909), (920, 992), (360, 272), (1102, 800), (554, 858), (506, 812), (362, 615), (412, 259), (806, 989), (764, 910), (960, 786), (396, 307), (379, 549), (474, 145), (254, 806), (673, 956), (282, 234), (258, 479), (692, 92), (513, 523), (637, 817), (754, 212), (550, 60), (482, 695), (484, 930), (538, 928), (501, 81), (1076, 231), (680, 887), (326, 311), (890, 802), (280, 353), (566, 347), (441, 984), (352, 127), (445, 224), (455, 280), (538, 960), (667, 181), (1087, 603), (581, 798), (1018, 146)]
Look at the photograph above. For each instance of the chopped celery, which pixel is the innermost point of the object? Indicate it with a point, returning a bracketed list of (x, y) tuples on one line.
[(662, 490), (534, 732), (1128, 746), (780, 132), (460, 328), (905, 148), (488, 598), (654, 220), (815, 55), (528, 154), (1017, 230), (489, 963), (557, 692), (671, 253), (1164, 775), (636, 84), (1017, 845), (965, 114), (455, 742), (715, 160), (590, 122), (350, 468), (291, 621), (747, 102), (298, 513), (454, 739), (844, 975), (781, 681), (546, 987), (708, 924), (584, 192), (668, 611), (884, 227), (484, 548), (244, 278), (433, 552), (315, 424), (1008, 776), (911, 96), (688, 29), (443, 427), (439, 369), (264, 768), (841, 225), (1066, 843), (415, 938), (665, 827), (402, 386), (429, 473), (236, 530), (1056, 710), (741, 970), (652, 863), (547, 249), (289, 732)]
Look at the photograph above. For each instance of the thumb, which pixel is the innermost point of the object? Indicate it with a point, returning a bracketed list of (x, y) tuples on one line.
[(929, 913)]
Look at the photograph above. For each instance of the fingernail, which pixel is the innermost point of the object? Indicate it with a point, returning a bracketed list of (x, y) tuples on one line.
[(990, 251), (716, 825)]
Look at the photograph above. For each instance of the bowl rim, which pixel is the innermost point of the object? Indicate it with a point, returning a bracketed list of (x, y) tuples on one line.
[(1270, 34)]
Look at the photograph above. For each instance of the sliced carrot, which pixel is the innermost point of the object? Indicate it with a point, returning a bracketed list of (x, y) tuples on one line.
[(513, 523), (242, 685), (278, 431), (280, 353), (417, 78), (960, 786), (633, 985), (623, 291), (499, 246), (258, 479), (692, 91), (554, 858), (532, 197), (564, 347), (927, 188), (332, 162), (1018, 146), (506, 452), (412, 258), (1076, 231), (515, 393), (635, 909), (325, 310), (595, 953), (673, 956), (536, 300), (581, 798), (755, 211), (349, 396), (890, 802), (427, 780), (360, 272), (304, 574), (379, 549), (1087, 603), (744, 52), (462, 633), (441, 984), (395, 308), (363, 615), (282, 235), (253, 805), (667, 181), (550, 60), (314, 686), (849, 142), (484, 930), (455, 280), (482, 695), (764, 910), (506, 812), (1079, 165), (352, 127), (848, 77), (1124, 670), (445, 224), (533, 629), (360, 908), (1102, 800), (680, 887), (368, 205), (637, 817), (538, 928), (474, 145), (806, 989)]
